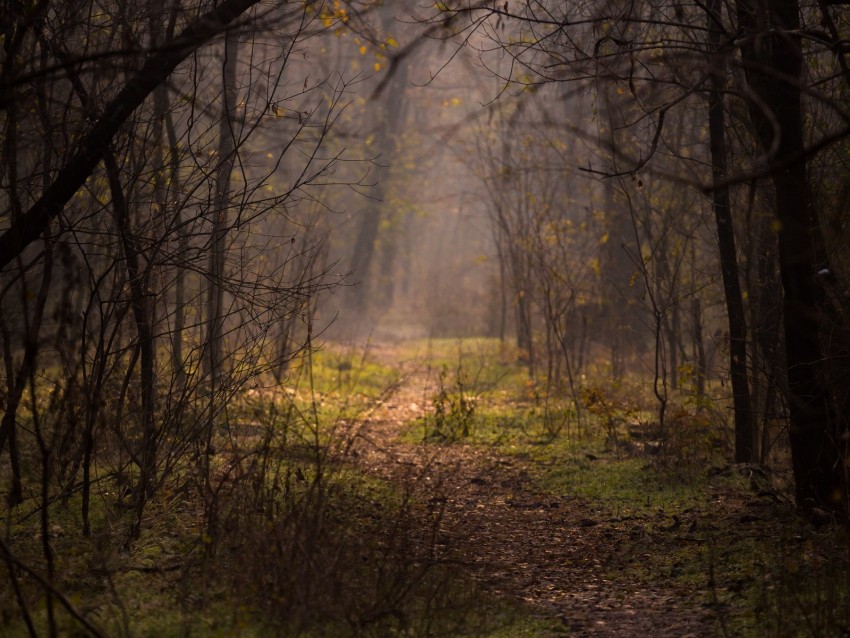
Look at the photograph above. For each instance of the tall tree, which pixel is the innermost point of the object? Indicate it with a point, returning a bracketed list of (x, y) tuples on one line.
[(226, 154), (772, 56), (387, 122), (744, 436)]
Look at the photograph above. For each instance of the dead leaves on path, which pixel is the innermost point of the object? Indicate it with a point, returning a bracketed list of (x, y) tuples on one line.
[(556, 554)]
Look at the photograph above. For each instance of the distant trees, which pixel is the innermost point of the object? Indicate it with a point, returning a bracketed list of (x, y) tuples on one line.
[(373, 251)]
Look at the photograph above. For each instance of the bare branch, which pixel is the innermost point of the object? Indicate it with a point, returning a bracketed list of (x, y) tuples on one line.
[(34, 223)]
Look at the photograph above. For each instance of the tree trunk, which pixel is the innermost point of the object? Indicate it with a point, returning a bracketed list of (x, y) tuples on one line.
[(772, 57), (143, 318), (218, 252), (744, 436), (178, 365), (389, 122)]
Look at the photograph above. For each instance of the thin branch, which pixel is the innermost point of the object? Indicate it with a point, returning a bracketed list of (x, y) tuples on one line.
[(69, 607), (34, 223)]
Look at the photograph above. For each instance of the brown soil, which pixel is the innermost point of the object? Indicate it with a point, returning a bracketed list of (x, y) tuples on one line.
[(554, 553)]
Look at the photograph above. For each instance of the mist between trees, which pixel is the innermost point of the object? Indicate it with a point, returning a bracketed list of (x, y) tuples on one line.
[(194, 194)]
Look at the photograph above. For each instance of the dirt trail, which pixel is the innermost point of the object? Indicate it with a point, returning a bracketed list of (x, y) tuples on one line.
[(554, 553)]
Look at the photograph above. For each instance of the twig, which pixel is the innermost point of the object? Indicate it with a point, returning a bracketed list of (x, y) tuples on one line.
[(49, 587)]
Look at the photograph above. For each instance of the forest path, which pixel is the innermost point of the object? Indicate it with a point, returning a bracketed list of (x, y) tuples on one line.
[(555, 553)]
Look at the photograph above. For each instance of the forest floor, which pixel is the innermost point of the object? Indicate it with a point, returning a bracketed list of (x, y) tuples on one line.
[(638, 563), (430, 489)]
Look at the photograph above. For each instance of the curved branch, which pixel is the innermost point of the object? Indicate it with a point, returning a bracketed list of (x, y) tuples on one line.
[(34, 223)]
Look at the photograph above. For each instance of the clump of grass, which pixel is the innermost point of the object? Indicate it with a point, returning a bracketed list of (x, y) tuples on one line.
[(487, 400), (453, 416)]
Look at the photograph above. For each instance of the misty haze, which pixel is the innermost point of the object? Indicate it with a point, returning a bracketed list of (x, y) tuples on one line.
[(424, 319)]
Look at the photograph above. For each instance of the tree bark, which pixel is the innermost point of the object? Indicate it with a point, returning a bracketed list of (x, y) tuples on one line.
[(744, 435), (218, 252), (772, 57)]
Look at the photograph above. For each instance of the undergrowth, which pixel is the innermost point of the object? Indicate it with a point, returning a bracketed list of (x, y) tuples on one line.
[(280, 535), (669, 507)]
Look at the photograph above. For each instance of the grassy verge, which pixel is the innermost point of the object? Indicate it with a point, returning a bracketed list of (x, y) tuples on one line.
[(281, 536), (667, 507)]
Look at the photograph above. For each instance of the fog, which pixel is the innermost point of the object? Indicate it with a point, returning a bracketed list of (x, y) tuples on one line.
[(207, 207), (445, 152), (583, 182)]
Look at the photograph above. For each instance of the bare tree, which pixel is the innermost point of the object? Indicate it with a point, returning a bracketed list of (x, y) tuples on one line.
[(654, 57)]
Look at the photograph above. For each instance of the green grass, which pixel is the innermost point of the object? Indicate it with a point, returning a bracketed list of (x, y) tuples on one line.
[(684, 518), (708, 535), (484, 365), (199, 571), (344, 372)]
